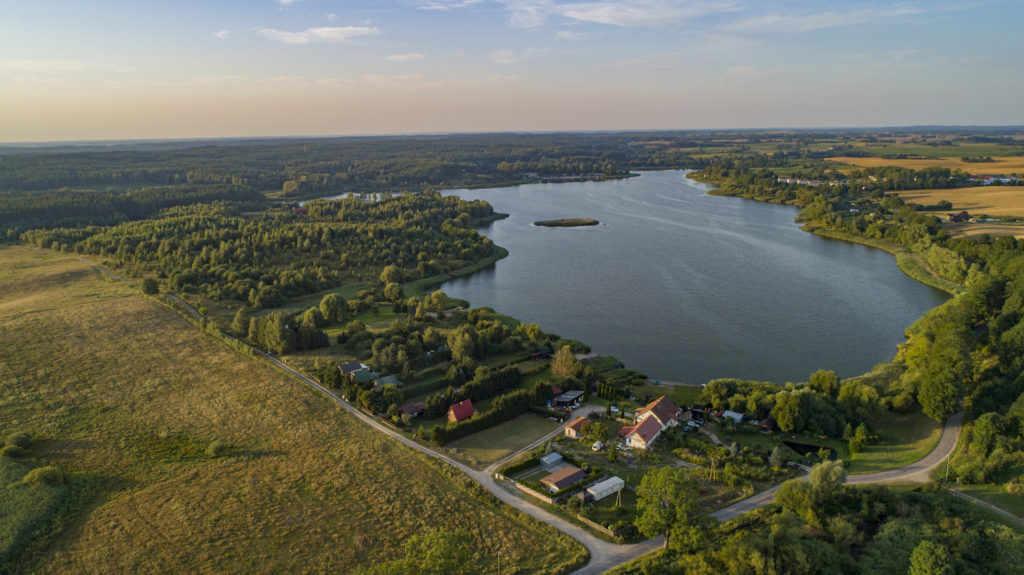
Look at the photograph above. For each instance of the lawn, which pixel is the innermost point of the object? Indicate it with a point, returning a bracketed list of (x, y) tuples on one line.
[(998, 496), (903, 439), (125, 395), (681, 395), (490, 445)]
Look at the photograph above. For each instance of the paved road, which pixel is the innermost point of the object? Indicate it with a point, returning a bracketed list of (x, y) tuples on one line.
[(604, 555)]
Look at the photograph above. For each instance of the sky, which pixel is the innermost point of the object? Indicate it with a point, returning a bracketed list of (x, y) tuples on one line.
[(129, 69)]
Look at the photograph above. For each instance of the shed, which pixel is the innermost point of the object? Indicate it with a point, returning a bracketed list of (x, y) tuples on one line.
[(563, 478), (737, 417), (460, 411), (569, 397), (551, 459), (351, 367), (388, 380), (599, 491), (575, 429)]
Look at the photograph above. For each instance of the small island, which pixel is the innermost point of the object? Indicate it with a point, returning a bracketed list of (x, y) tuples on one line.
[(567, 223)]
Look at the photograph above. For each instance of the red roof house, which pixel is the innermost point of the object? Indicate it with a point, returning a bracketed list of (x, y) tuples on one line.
[(575, 429), (643, 434), (461, 410), (663, 410)]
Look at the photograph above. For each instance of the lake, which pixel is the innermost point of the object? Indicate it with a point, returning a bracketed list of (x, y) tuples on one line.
[(689, 287)]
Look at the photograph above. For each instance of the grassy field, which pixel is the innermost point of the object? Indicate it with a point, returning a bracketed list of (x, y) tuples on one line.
[(988, 200), (681, 395), (903, 439), (484, 448), (968, 230), (124, 396), (998, 496), (999, 165)]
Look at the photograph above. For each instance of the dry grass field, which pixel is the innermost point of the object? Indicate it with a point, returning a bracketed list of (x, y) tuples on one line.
[(988, 200), (1015, 229), (125, 395), (1001, 165)]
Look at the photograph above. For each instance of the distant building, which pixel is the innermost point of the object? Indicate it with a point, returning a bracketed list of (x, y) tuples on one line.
[(568, 398), (736, 417), (575, 429), (351, 367), (387, 380), (412, 409), (959, 217), (563, 478), (460, 411)]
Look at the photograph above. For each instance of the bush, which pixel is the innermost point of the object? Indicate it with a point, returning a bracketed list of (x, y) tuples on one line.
[(12, 451), (20, 438), (40, 476), (1016, 486), (217, 448)]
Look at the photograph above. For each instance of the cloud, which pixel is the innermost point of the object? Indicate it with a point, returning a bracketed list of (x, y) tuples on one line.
[(623, 13), (570, 35), (505, 57), (899, 55), (222, 34), (286, 2), (786, 23), (43, 66), (329, 34), (447, 4), (405, 57)]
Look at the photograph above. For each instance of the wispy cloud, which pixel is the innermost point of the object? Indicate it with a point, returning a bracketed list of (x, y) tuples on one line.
[(505, 57), (328, 34), (447, 4), (43, 66), (623, 13), (788, 23), (286, 2), (405, 57), (570, 35), (222, 34)]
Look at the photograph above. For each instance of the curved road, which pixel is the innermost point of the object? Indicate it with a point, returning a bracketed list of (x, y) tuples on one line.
[(603, 555)]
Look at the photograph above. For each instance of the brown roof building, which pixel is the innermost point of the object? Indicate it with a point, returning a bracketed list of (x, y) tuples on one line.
[(641, 435), (663, 409), (563, 478), (575, 429)]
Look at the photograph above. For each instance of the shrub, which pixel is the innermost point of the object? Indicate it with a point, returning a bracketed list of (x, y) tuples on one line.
[(216, 448), (20, 438), (40, 476), (11, 451), (1016, 486)]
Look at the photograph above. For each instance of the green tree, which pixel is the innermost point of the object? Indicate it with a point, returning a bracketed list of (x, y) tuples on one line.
[(563, 364), (825, 383), (775, 459), (931, 558), (666, 500), (333, 307), (240, 323), (391, 274), (150, 286), (393, 291)]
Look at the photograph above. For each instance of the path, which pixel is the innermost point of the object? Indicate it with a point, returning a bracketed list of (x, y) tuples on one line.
[(989, 506)]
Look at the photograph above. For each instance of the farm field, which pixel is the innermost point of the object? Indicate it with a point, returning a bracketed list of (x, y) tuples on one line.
[(126, 396), (988, 200), (1014, 229), (1000, 165)]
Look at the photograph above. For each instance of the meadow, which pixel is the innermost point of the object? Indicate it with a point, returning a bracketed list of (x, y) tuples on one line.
[(126, 397), (987, 200)]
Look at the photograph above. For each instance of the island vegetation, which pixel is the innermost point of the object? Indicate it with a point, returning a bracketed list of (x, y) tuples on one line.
[(567, 223)]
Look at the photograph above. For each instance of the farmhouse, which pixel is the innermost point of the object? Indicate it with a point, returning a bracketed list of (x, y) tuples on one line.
[(351, 367), (387, 380), (460, 411), (661, 409), (599, 491), (641, 435), (563, 478), (575, 429)]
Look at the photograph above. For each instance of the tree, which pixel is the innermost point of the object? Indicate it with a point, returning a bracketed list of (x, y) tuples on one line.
[(825, 383), (595, 431), (150, 286), (393, 291), (931, 558), (775, 459), (240, 323), (827, 479), (563, 364), (391, 274), (666, 500), (333, 307)]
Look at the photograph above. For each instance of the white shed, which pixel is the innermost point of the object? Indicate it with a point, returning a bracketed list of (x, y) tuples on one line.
[(601, 490), (737, 417), (551, 459)]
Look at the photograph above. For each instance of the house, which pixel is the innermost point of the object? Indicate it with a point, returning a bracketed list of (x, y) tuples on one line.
[(641, 435), (957, 218), (460, 411), (351, 367), (735, 417), (568, 398), (766, 425), (563, 478), (661, 409), (412, 409), (551, 459), (363, 376), (575, 429), (599, 491), (387, 380)]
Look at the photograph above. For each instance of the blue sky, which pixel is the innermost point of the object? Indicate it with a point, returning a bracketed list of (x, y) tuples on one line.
[(148, 69)]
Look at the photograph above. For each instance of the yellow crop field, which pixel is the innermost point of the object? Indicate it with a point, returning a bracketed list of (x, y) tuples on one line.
[(126, 396), (988, 200), (1000, 165), (991, 228)]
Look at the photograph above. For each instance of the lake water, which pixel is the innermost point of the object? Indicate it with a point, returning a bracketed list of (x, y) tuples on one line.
[(689, 287)]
